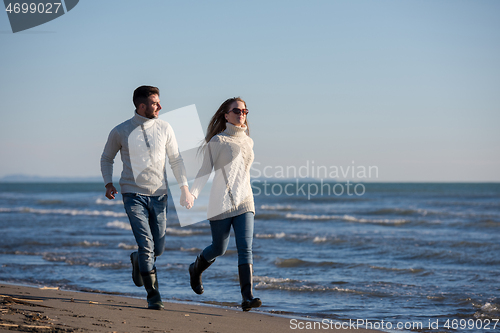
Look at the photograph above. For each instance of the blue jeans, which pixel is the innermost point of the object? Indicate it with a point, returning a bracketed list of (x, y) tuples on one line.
[(148, 219), (243, 233)]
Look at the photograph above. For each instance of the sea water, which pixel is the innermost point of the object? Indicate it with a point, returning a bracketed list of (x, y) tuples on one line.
[(411, 255)]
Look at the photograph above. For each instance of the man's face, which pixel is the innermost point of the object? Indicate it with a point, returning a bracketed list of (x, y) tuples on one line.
[(153, 107)]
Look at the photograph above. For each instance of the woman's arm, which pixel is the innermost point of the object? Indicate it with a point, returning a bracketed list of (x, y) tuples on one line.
[(210, 153)]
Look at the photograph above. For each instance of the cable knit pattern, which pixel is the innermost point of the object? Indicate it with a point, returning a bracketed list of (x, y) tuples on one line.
[(232, 156), (143, 166)]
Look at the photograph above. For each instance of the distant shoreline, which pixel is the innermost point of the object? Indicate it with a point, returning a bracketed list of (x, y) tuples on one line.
[(33, 179)]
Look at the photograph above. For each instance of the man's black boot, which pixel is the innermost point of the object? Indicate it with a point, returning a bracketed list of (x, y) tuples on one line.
[(151, 284), (195, 270), (245, 273), (136, 273)]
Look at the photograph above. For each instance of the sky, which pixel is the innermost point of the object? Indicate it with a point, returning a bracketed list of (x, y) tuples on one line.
[(409, 87)]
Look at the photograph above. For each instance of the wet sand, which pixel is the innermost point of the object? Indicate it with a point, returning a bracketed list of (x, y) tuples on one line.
[(32, 309)]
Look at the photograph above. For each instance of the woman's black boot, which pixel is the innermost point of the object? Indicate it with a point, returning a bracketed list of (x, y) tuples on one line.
[(245, 273), (151, 284), (195, 270)]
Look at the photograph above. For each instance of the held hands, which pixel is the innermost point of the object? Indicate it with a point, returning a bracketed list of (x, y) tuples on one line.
[(110, 191), (187, 199)]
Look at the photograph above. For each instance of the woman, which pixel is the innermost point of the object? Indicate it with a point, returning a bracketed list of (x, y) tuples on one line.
[(228, 150)]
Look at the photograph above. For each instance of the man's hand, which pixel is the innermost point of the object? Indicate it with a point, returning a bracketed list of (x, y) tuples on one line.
[(110, 191), (187, 199)]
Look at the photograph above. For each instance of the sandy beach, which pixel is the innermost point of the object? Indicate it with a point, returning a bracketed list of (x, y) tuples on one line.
[(32, 309)]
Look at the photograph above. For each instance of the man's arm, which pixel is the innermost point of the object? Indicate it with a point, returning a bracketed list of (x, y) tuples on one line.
[(107, 159)]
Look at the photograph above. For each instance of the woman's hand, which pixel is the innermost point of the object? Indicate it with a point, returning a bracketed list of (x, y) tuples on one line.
[(187, 199)]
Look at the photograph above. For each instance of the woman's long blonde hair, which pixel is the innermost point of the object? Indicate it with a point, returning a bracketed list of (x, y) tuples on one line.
[(218, 122)]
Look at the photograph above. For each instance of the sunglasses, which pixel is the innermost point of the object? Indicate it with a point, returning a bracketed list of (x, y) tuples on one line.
[(239, 111)]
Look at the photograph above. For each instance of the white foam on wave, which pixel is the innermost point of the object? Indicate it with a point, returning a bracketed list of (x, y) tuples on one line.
[(107, 202), (488, 311), (276, 207), (295, 237), (119, 225), (191, 249), (267, 282), (343, 218), (276, 235), (127, 246), (488, 307), (312, 217), (183, 231), (90, 244), (268, 279), (318, 239), (63, 211)]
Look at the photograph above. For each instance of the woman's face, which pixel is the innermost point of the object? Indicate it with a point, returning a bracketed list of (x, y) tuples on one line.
[(236, 119)]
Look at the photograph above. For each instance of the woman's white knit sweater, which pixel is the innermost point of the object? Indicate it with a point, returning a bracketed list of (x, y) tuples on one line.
[(230, 154)]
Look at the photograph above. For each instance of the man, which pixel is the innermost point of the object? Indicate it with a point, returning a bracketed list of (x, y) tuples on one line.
[(144, 142)]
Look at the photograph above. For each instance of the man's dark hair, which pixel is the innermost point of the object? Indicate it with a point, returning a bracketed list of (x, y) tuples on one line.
[(142, 93)]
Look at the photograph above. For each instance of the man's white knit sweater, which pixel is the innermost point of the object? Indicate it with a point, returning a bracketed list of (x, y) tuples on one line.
[(144, 145), (230, 154)]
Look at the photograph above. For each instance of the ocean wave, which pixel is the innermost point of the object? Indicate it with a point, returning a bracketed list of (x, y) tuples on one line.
[(348, 218), (401, 270), (277, 207), (266, 282), (62, 211), (301, 238), (119, 225), (49, 202), (79, 261), (455, 256), (268, 236), (487, 223), (21, 253), (399, 211), (468, 244), (86, 243), (184, 232), (488, 311), (312, 217), (191, 249), (264, 216), (318, 239), (295, 262), (127, 246), (107, 202), (110, 265)]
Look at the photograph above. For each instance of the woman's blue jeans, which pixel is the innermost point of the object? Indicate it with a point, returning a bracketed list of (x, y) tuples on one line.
[(148, 219), (243, 233)]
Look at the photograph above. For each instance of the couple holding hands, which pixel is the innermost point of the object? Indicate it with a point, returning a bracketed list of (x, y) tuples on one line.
[(227, 150)]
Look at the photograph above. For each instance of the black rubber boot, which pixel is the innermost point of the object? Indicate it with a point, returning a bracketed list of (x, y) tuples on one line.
[(136, 273), (151, 284), (195, 270), (245, 272)]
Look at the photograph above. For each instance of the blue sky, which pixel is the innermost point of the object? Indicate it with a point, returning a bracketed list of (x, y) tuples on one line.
[(408, 86)]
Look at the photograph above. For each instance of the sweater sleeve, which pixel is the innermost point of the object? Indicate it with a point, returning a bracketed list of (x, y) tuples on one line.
[(111, 148), (175, 158), (209, 155)]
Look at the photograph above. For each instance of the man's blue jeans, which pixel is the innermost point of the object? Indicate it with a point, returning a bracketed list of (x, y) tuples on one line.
[(148, 219), (243, 233)]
